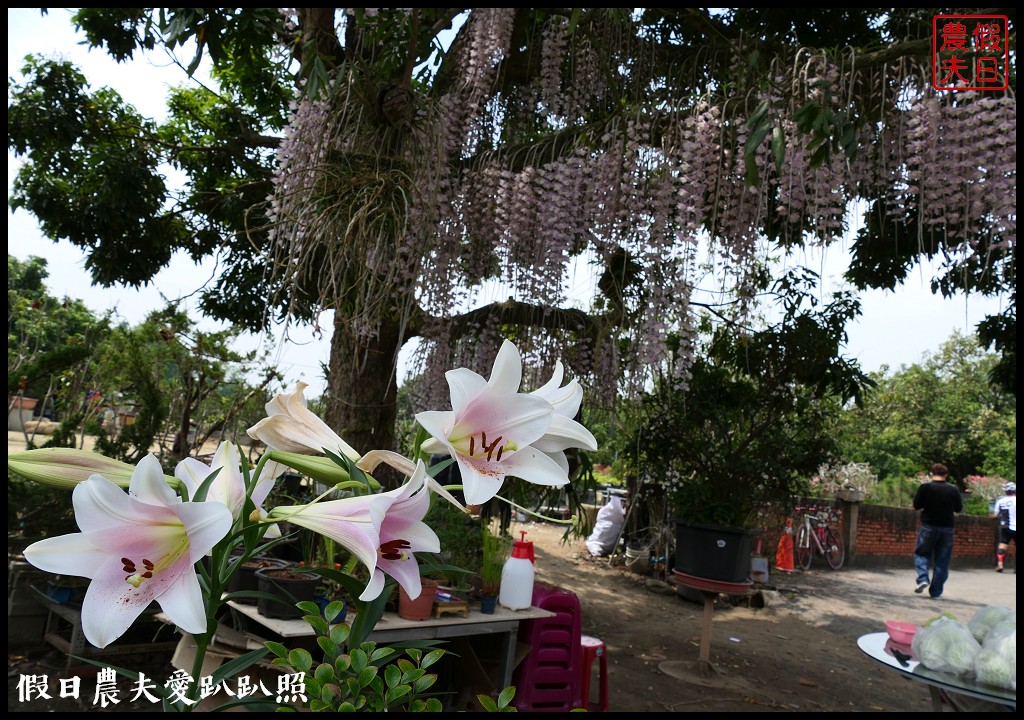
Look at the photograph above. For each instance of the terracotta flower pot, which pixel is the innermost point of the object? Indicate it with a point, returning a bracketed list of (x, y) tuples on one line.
[(422, 606)]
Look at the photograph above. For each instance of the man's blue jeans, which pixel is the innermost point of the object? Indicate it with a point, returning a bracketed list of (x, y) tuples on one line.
[(937, 542)]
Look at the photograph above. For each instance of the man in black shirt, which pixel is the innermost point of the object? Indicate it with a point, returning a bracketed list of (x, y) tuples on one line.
[(938, 502)]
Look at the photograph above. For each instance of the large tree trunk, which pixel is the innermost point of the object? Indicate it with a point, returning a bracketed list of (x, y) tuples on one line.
[(362, 392)]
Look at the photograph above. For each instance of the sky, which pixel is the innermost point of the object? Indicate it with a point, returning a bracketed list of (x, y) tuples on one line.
[(895, 328)]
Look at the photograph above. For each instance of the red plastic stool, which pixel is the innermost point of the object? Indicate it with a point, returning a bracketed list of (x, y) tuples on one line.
[(594, 648)]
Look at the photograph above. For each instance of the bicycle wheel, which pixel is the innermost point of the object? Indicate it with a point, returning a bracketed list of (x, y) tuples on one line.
[(802, 547), (835, 552)]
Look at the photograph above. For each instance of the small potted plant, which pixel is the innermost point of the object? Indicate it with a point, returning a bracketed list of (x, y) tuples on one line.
[(496, 548)]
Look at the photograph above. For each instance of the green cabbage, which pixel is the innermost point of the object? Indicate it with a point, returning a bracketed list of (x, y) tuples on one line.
[(988, 617), (946, 646), (996, 662)]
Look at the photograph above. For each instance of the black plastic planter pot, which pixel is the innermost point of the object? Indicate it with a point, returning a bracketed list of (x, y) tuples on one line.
[(291, 585), (245, 579), (714, 552)]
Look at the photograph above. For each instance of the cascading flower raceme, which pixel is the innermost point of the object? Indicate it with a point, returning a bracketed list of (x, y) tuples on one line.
[(293, 427), (228, 488), (136, 548), (493, 430)]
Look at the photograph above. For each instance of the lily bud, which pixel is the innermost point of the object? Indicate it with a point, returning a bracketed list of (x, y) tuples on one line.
[(319, 468), (66, 467)]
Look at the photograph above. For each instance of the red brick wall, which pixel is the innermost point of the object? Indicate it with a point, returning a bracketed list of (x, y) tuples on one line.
[(886, 534)]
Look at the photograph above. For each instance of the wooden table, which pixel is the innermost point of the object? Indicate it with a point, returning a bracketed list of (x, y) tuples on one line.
[(503, 625), (73, 642)]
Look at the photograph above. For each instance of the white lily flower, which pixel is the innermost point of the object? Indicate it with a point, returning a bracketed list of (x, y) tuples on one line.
[(228, 487), (492, 429), (402, 533), (293, 427), (566, 400), (382, 531), (136, 548)]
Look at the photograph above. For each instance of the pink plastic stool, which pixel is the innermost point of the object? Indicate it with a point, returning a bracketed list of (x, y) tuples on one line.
[(594, 648)]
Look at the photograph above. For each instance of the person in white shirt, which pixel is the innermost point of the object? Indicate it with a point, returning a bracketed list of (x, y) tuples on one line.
[(1006, 511)]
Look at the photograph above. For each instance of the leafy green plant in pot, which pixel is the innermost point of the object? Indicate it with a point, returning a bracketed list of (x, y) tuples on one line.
[(461, 539), (496, 549), (732, 446)]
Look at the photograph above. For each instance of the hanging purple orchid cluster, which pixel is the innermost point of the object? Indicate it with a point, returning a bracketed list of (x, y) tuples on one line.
[(472, 209)]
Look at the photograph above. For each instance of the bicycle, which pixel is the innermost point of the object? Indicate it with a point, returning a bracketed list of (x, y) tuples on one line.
[(818, 532)]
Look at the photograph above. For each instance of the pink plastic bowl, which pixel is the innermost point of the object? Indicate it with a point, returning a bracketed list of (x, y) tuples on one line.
[(900, 632)]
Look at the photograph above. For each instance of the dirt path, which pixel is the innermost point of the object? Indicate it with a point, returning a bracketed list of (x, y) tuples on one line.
[(797, 653)]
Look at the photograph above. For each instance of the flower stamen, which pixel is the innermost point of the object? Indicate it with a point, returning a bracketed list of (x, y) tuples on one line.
[(393, 549)]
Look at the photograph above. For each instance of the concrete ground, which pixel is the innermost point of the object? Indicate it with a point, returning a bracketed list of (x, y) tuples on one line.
[(854, 601)]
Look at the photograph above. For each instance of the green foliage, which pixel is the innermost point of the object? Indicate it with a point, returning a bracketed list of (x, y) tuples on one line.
[(503, 703), (366, 678), (943, 409), (976, 506), (496, 548), (35, 511), (93, 176), (754, 418), (46, 336), (894, 491), (460, 535)]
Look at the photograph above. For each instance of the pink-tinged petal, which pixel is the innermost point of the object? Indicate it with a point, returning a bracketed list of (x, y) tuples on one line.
[(148, 484), (67, 555), (478, 487), (507, 371), (517, 418), (206, 524), (349, 522), (100, 506), (292, 427), (403, 533), (488, 427), (564, 433), (111, 605), (463, 385), (183, 603), (406, 572), (191, 472), (136, 548), (438, 423), (266, 481), (538, 468), (373, 588)]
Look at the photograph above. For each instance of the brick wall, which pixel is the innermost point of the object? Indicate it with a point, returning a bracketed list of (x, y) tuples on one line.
[(886, 535)]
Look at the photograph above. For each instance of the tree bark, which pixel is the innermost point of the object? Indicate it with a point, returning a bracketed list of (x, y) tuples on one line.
[(362, 391)]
